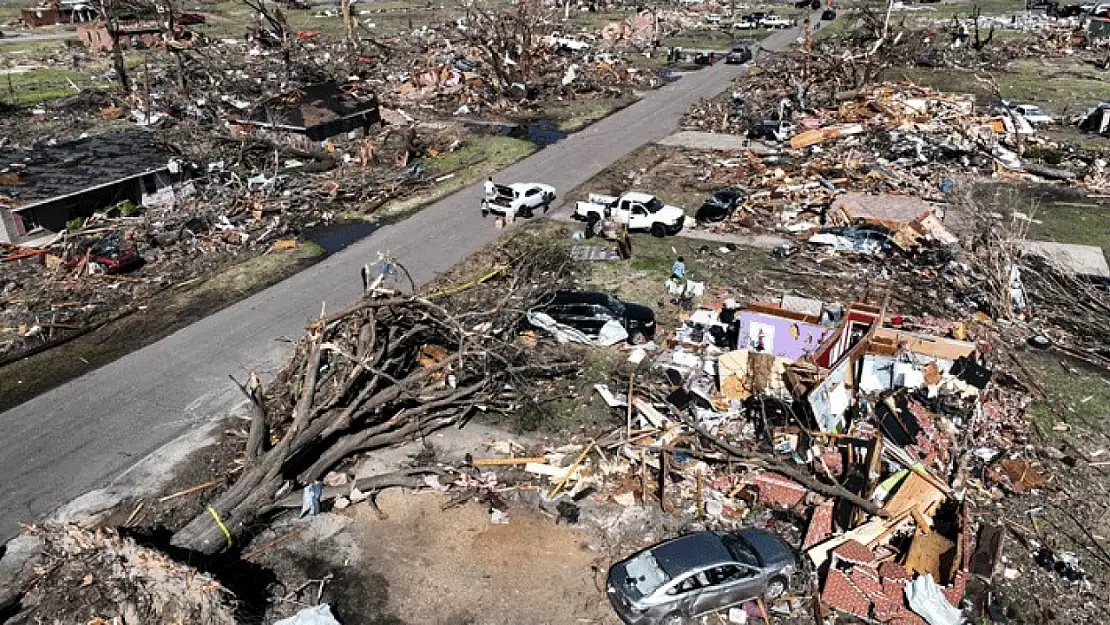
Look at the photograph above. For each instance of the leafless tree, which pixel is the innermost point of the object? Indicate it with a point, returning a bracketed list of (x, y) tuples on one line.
[(510, 37), (113, 12)]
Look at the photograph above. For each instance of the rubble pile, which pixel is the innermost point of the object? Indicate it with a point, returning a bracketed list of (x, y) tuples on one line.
[(98, 576), (834, 424)]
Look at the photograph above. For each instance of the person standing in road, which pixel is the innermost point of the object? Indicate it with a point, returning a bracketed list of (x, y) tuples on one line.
[(490, 194)]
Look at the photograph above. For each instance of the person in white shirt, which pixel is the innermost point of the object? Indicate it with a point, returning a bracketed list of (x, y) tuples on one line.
[(490, 194)]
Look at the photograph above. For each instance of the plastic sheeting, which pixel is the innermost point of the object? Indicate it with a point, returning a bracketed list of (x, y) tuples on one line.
[(928, 602), (317, 615)]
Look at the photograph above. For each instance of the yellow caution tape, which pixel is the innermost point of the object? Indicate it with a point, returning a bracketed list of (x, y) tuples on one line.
[(220, 524)]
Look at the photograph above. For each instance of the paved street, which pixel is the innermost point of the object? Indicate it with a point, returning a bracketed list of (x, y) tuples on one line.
[(84, 433)]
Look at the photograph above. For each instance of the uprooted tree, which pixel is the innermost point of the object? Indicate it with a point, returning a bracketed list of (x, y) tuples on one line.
[(387, 369)]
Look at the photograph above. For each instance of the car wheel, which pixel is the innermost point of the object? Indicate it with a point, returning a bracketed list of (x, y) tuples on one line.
[(593, 225), (775, 589), (658, 230), (674, 618)]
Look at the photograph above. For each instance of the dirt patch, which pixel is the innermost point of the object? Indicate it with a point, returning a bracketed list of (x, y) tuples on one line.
[(455, 566)]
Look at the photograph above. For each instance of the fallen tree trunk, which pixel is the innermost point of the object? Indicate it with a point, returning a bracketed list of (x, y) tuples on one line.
[(379, 373)]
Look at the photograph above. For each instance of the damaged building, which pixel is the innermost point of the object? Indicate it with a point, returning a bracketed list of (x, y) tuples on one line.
[(44, 188), (317, 112)]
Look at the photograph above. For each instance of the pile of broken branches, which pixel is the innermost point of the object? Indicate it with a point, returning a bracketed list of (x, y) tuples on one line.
[(98, 576), (385, 370)]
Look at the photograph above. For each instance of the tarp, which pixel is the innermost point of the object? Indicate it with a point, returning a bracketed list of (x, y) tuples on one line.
[(318, 615), (927, 600)]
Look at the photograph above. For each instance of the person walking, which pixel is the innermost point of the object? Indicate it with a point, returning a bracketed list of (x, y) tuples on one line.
[(490, 194)]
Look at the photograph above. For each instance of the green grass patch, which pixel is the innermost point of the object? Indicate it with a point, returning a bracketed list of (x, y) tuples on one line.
[(574, 115), (1057, 214), (1062, 86), (488, 153), (1077, 395), (39, 85), (1072, 222), (480, 157)]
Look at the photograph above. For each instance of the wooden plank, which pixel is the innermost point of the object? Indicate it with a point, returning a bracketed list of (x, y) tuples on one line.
[(925, 554), (914, 492), (505, 462)]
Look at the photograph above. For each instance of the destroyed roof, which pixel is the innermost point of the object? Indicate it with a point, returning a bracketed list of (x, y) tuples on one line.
[(315, 109), (884, 209), (51, 171)]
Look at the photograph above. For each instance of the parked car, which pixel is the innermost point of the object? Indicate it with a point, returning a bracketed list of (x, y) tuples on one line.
[(588, 311), (774, 21), (828, 15), (107, 255), (519, 198), (852, 239), (1033, 114), (812, 4), (739, 55), (719, 205), (640, 211), (676, 581), (744, 24), (714, 18)]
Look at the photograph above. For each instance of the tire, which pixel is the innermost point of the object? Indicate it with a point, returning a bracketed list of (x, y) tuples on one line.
[(775, 589), (674, 618), (658, 230), (593, 223)]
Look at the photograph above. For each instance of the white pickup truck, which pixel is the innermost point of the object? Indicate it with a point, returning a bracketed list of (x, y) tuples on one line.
[(640, 211)]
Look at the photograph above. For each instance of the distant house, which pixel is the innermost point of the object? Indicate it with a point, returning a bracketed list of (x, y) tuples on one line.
[(136, 35), (317, 112), (44, 188), (64, 12)]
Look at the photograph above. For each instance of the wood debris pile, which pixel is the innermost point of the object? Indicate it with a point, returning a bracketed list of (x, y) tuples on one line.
[(99, 577)]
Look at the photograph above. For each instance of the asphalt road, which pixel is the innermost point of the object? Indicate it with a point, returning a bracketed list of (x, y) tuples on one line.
[(80, 436)]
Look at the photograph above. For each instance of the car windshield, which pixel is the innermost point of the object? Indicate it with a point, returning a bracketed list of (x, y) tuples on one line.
[(615, 305), (654, 205), (741, 550), (643, 576)]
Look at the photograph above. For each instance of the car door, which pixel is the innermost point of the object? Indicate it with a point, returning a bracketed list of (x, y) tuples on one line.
[(533, 197), (680, 596), (739, 584), (593, 318), (638, 218), (720, 589)]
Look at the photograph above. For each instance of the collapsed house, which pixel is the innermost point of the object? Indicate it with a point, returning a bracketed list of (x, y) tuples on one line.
[(42, 189), (317, 112)]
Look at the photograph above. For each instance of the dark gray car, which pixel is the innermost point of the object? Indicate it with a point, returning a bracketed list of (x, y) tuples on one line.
[(675, 581)]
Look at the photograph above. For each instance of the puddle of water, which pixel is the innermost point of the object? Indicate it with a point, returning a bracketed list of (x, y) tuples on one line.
[(339, 236), (541, 132)]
